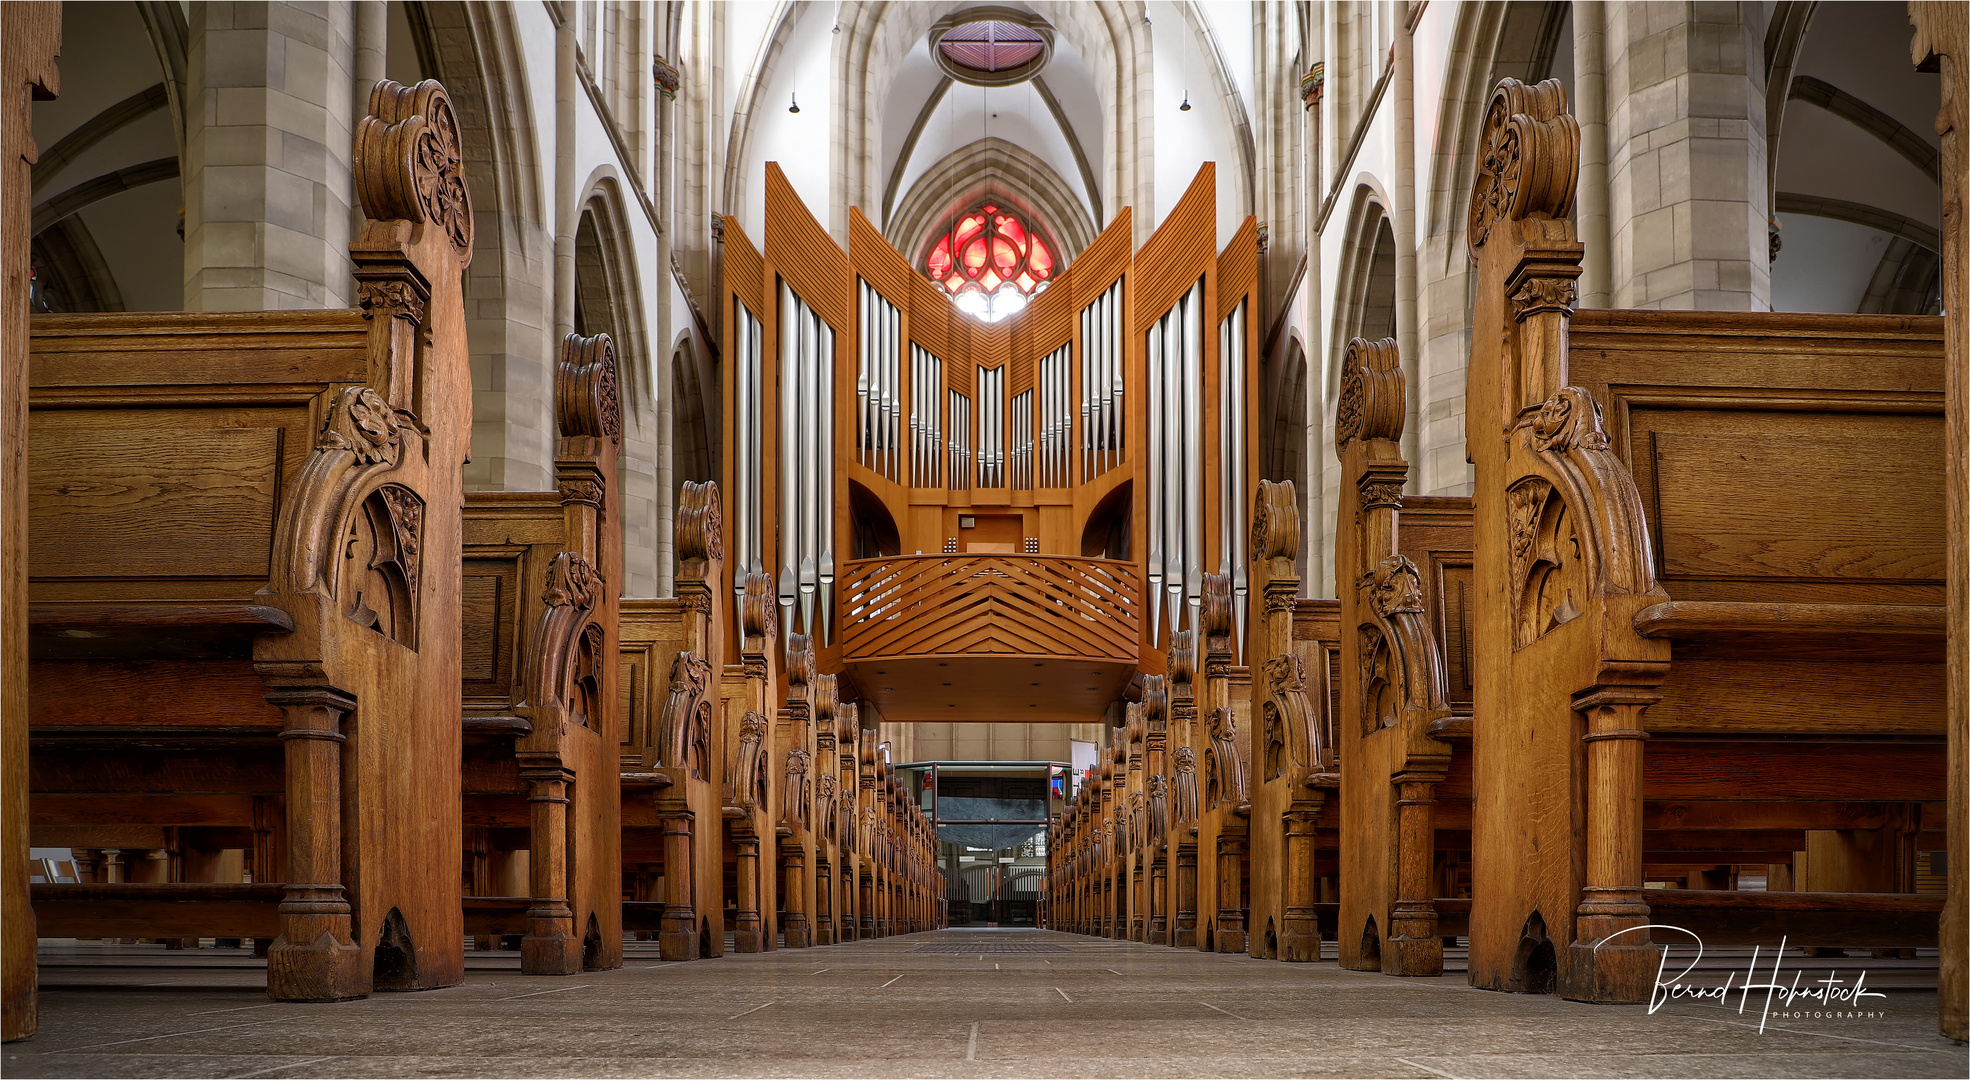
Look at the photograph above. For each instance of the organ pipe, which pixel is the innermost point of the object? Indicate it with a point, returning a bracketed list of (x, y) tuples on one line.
[(746, 503), (1231, 468)]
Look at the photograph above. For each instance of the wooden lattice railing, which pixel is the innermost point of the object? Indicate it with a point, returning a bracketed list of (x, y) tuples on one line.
[(1008, 605)]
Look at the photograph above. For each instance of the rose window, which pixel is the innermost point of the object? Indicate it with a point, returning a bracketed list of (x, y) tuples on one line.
[(991, 262)]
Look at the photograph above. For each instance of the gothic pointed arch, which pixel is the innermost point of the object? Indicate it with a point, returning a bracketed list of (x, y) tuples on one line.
[(474, 49), (991, 169)]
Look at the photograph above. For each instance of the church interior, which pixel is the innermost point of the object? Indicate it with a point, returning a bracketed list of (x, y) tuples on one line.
[(1040, 537)]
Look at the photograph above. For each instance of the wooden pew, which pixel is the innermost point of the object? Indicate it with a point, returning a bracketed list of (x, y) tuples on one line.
[(750, 788), (542, 709), (243, 545), (672, 754), (1292, 744), (30, 39), (1941, 43), (1403, 569), (1709, 557), (1224, 771)]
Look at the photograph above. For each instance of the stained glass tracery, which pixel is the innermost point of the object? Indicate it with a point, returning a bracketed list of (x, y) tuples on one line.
[(991, 262)]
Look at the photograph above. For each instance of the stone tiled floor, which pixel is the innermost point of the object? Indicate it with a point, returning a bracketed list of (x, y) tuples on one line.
[(882, 1009)]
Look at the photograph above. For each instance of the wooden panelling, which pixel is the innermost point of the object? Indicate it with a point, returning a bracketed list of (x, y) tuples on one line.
[(1172, 260), (263, 350), (1799, 696), (490, 605), (990, 604), (1238, 267), (744, 269), (804, 255), (1728, 505), (151, 501)]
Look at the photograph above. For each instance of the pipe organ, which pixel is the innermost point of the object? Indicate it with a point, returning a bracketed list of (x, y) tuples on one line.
[(806, 481), (1048, 490), (1176, 463), (991, 386), (1102, 421), (1022, 441), (743, 476), (926, 419), (1232, 556), (877, 397), (1056, 418), (960, 442)]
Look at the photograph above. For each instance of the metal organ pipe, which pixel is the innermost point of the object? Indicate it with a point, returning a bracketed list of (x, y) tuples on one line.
[(746, 500), (806, 464), (1176, 463), (1158, 466), (1193, 480), (1231, 467)]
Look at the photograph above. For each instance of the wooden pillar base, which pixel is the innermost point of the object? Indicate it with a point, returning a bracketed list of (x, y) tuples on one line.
[(1611, 974), (1299, 937), (677, 937), (314, 958), (550, 946)]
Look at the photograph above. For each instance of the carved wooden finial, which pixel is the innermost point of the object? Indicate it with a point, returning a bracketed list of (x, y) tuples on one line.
[(758, 616), (700, 522), (1373, 393), (800, 659), (585, 396), (1528, 158), (1217, 606), (1182, 660), (410, 162), (1275, 521), (1155, 700)]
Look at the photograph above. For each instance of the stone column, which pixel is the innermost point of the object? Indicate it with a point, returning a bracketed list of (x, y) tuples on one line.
[(1685, 97), (268, 184)]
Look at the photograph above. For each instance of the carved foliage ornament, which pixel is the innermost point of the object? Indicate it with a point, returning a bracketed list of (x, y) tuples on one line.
[(1217, 605), (1393, 586), (572, 581), (1528, 158), (684, 729), (1545, 293), (394, 297), (1373, 393), (585, 394), (410, 163), (361, 422)]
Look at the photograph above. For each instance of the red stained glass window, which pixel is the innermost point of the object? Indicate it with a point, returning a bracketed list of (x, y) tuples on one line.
[(991, 262)]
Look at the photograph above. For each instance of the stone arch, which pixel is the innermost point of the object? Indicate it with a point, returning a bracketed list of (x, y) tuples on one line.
[(694, 417), (1520, 39), (1111, 37), (97, 172), (609, 300), (991, 168), (474, 49)]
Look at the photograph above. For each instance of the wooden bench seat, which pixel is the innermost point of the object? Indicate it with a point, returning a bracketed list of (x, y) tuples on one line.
[(242, 552), (540, 663)]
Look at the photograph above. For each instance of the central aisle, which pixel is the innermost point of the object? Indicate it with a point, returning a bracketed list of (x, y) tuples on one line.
[(958, 1003)]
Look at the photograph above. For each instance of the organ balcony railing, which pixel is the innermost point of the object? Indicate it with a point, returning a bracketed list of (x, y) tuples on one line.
[(1051, 606)]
